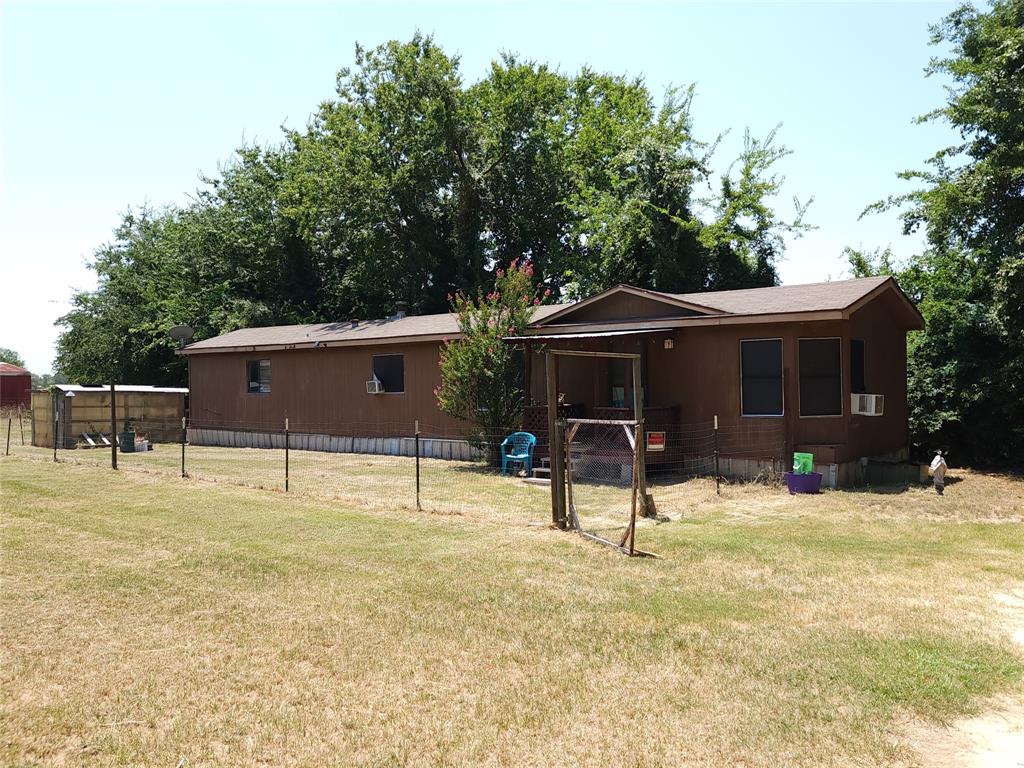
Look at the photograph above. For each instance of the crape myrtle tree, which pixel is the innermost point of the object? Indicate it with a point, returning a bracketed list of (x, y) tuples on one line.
[(966, 369), (481, 374)]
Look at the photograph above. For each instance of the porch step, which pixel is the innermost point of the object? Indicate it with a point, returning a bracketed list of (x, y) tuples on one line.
[(537, 480), (542, 472)]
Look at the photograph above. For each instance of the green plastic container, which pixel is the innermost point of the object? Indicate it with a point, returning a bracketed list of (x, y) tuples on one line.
[(127, 441), (803, 463)]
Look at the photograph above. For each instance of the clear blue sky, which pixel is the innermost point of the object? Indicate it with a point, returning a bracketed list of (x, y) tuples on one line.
[(106, 105)]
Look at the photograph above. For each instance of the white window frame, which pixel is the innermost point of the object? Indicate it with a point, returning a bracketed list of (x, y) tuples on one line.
[(782, 360), (842, 386)]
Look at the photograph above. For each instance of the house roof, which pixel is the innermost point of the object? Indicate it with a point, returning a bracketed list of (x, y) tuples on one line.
[(10, 369), (830, 300), (807, 297), (391, 330)]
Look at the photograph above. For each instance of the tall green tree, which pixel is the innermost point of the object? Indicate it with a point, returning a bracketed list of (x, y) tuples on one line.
[(410, 185), (967, 368)]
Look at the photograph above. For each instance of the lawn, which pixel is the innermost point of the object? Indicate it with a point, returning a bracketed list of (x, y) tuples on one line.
[(146, 619)]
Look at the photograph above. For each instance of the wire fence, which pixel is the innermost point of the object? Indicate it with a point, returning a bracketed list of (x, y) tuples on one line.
[(599, 472), (16, 423), (400, 465)]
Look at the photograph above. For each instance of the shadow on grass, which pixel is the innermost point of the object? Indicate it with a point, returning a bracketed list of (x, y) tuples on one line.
[(890, 489)]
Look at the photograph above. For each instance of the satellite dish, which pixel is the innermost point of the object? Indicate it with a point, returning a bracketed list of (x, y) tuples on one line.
[(182, 333)]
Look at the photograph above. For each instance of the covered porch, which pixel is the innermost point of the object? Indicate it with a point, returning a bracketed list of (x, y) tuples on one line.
[(593, 387)]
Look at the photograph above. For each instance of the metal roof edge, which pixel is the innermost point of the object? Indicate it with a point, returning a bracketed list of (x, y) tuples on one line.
[(370, 342)]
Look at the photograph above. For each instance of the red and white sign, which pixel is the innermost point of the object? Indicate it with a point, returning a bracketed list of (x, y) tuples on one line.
[(655, 441)]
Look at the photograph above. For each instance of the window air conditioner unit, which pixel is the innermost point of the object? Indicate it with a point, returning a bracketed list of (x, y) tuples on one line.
[(867, 405), (374, 387)]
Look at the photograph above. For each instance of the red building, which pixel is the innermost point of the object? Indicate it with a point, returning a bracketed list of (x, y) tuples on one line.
[(15, 386)]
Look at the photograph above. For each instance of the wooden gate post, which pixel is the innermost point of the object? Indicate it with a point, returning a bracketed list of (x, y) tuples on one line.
[(646, 508), (554, 449), (558, 449)]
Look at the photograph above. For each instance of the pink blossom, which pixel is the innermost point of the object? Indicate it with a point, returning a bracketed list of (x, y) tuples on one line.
[(536, 302), (515, 263), (501, 273), (547, 292)]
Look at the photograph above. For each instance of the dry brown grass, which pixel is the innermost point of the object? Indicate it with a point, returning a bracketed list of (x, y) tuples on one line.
[(146, 619)]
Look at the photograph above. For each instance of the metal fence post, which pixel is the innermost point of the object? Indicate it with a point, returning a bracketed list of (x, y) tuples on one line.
[(56, 425), (718, 475), (9, 420), (184, 437), (286, 454), (113, 427), (418, 507), (21, 423)]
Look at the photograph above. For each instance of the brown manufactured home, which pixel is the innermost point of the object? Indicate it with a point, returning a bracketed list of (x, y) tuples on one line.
[(825, 363)]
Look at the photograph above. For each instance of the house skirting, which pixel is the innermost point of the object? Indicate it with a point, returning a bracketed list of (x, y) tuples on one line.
[(430, 448)]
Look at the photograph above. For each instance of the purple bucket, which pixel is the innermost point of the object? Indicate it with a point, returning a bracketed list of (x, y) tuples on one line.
[(809, 483)]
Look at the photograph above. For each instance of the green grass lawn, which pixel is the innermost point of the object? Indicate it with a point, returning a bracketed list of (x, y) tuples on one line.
[(147, 619)]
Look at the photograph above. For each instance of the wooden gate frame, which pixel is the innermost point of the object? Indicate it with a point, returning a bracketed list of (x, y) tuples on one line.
[(556, 429), (634, 434)]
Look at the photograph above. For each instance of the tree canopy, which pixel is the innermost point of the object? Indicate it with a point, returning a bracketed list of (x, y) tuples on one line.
[(12, 357), (410, 185), (966, 370)]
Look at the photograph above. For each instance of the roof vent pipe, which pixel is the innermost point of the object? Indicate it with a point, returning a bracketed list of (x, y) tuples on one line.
[(401, 309)]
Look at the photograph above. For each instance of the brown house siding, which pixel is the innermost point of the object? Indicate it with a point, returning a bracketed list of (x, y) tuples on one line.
[(701, 375), (627, 306), (885, 373), (322, 390)]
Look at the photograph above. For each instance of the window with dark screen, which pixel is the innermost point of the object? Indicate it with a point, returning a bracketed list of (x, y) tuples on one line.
[(389, 370), (821, 382), (761, 377), (857, 366), (258, 376)]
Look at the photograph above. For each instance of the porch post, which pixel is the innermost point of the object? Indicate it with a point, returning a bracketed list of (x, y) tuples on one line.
[(528, 376)]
